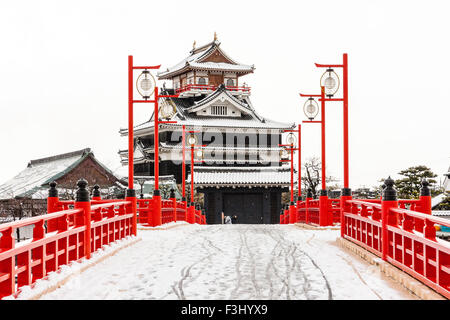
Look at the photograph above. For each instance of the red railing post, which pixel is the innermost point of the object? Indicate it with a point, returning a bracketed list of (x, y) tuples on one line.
[(52, 206), (174, 204), (156, 217), (323, 208), (184, 206), (286, 214), (96, 193), (191, 213), (425, 205), (82, 201), (7, 266), (131, 196), (346, 195), (308, 198), (292, 213), (388, 218)]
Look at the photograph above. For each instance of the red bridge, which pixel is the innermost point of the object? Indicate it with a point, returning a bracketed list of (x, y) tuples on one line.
[(400, 232)]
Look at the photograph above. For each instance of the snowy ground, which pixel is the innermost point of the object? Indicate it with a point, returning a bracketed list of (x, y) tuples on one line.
[(232, 262)]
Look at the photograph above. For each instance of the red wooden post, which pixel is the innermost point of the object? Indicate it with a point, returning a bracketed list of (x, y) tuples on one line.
[(52, 206), (292, 173), (387, 217), (308, 198), (345, 207), (174, 204), (292, 213), (131, 196), (184, 206), (96, 193), (191, 213), (130, 125), (192, 174), (183, 180), (7, 266), (323, 208), (345, 119), (299, 187), (425, 205), (83, 202)]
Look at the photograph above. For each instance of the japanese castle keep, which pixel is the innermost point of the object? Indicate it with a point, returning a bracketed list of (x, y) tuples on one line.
[(241, 173)]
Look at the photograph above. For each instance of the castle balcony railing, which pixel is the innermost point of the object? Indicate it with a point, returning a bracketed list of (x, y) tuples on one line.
[(195, 89)]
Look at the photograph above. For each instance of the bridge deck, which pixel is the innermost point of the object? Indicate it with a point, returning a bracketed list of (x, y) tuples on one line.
[(232, 262)]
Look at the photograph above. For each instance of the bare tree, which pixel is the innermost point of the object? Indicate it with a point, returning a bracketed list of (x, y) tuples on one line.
[(311, 178)]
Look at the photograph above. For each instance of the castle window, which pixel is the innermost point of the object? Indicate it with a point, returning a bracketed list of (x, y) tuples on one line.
[(219, 110), (230, 82), (201, 81)]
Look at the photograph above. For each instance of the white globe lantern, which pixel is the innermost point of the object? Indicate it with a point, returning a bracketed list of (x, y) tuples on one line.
[(192, 140), (145, 84), (199, 154), (284, 154), (291, 139), (168, 110), (310, 108), (330, 82)]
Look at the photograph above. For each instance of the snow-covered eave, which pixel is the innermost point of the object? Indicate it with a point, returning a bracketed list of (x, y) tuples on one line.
[(215, 148), (241, 185), (190, 126), (195, 61), (207, 66)]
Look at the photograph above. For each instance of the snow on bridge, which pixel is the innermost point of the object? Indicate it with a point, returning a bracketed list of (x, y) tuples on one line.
[(232, 262)]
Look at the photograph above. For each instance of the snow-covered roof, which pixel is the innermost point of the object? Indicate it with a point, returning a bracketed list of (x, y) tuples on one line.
[(241, 176), (222, 94), (33, 181), (195, 61), (447, 180), (251, 120), (437, 199)]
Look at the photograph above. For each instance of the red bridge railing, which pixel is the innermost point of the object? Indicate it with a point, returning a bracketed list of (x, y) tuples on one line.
[(72, 230), (401, 232), (171, 211), (61, 236)]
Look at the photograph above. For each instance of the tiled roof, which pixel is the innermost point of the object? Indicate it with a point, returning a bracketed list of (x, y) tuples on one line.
[(33, 181), (193, 61)]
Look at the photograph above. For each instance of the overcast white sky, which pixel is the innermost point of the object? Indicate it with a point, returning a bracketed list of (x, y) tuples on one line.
[(63, 73)]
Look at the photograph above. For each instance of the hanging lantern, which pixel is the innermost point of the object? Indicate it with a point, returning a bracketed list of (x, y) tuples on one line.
[(291, 139), (199, 154), (192, 140), (311, 108), (330, 82), (145, 84), (284, 154), (167, 110)]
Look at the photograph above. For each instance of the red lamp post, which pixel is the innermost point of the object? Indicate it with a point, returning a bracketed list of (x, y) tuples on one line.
[(291, 148), (311, 111), (146, 87), (192, 140), (332, 87)]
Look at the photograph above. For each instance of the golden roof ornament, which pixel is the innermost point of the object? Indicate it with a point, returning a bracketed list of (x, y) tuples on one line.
[(215, 36), (193, 45)]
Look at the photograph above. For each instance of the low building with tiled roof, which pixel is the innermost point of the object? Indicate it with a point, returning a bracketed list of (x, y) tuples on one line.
[(65, 169)]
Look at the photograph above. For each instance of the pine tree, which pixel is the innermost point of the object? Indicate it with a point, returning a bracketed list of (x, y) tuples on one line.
[(409, 186)]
